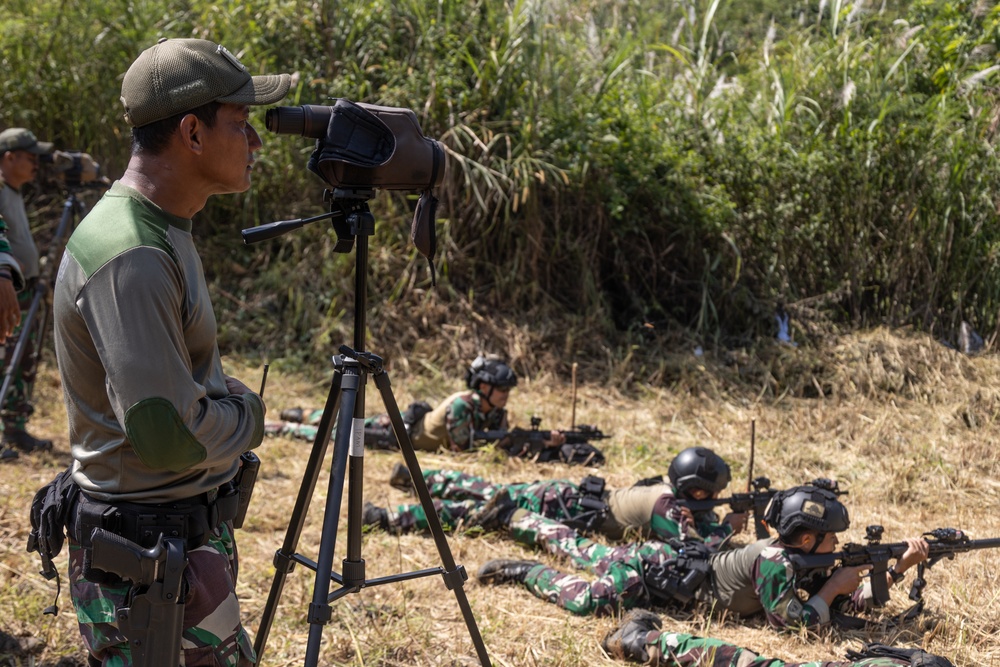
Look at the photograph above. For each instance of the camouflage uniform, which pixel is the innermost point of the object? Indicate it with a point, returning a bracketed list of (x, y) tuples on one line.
[(213, 635), (462, 494), (755, 578), (683, 650), (9, 270), (453, 423), (18, 406), (304, 430), (649, 509)]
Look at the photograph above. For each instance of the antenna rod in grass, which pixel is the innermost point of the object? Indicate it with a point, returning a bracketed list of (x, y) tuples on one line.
[(572, 419), (263, 380)]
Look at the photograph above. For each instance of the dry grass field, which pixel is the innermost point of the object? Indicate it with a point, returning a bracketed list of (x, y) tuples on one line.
[(908, 426)]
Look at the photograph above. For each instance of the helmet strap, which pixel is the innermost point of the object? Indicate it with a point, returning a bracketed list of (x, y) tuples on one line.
[(486, 396), (820, 537)]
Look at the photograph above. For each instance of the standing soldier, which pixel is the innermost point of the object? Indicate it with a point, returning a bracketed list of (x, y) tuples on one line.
[(19, 151), (156, 426)]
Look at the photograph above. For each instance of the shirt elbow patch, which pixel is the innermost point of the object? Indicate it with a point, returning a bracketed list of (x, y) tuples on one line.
[(160, 438)]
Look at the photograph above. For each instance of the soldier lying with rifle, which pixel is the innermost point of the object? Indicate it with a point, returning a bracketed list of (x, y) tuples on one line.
[(758, 578), (660, 508), (467, 420)]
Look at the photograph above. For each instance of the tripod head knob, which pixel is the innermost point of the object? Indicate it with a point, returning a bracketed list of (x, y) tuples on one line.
[(367, 360)]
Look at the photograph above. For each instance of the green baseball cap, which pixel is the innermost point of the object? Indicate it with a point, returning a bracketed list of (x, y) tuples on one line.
[(20, 139), (177, 75)]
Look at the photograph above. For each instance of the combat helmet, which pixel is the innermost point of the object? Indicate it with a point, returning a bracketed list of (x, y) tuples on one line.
[(806, 507), (492, 371), (698, 468)]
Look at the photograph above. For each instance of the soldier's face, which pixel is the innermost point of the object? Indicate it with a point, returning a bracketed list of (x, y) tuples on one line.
[(18, 167), (496, 396), (829, 544)]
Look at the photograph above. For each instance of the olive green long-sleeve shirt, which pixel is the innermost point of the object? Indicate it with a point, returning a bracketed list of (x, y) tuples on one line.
[(150, 417)]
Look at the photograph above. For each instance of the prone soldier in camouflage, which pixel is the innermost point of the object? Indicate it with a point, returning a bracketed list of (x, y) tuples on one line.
[(757, 578), (649, 509), (452, 425), (640, 639)]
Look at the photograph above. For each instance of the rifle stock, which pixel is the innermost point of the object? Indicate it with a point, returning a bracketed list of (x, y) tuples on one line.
[(944, 543)]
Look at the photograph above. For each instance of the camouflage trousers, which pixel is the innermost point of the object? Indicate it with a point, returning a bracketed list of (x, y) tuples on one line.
[(17, 408), (619, 583), (213, 635), (460, 494), (683, 650)]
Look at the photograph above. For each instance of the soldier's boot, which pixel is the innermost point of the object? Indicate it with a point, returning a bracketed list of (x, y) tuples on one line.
[(292, 415), (8, 453), (495, 513), (372, 515), (400, 478), (501, 571), (25, 441), (628, 640)]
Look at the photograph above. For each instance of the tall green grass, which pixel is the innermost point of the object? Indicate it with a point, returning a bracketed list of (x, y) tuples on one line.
[(685, 164)]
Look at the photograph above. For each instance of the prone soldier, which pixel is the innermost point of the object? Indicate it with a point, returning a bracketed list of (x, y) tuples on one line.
[(758, 578), (696, 473), (464, 421), (640, 638)]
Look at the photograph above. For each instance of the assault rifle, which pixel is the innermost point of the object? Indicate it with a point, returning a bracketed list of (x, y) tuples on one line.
[(529, 442), (944, 543), (755, 501)]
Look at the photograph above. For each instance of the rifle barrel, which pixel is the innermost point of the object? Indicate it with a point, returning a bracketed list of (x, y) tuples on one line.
[(860, 554)]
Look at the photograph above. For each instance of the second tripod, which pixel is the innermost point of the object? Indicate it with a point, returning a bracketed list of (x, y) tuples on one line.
[(345, 409)]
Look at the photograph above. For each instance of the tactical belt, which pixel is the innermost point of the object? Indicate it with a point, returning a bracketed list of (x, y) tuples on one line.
[(192, 519)]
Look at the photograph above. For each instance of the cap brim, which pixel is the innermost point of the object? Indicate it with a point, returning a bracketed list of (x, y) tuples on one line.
[(41, 148), (265, 89)]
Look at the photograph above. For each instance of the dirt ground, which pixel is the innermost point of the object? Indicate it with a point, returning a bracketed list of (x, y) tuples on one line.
[(906, 425)]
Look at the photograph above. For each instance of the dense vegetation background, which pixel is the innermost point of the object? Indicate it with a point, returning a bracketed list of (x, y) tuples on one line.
[(626, 177)]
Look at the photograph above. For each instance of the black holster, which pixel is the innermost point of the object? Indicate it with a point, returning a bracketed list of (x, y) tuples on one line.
[(677, 580), (152, 618), (586, 509)]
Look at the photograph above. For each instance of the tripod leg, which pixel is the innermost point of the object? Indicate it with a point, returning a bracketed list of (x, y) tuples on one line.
[(454, 576), (320, 610), (284, 557)]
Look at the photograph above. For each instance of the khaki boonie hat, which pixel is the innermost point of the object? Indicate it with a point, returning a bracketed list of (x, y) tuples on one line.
[(20, 139), (178, 75)]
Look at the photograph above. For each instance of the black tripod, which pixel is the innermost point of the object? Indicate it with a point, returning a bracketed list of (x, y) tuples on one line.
[(37, 315), (351, 219)]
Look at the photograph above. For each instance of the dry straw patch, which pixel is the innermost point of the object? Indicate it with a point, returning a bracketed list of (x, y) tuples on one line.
[(905, 424)]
